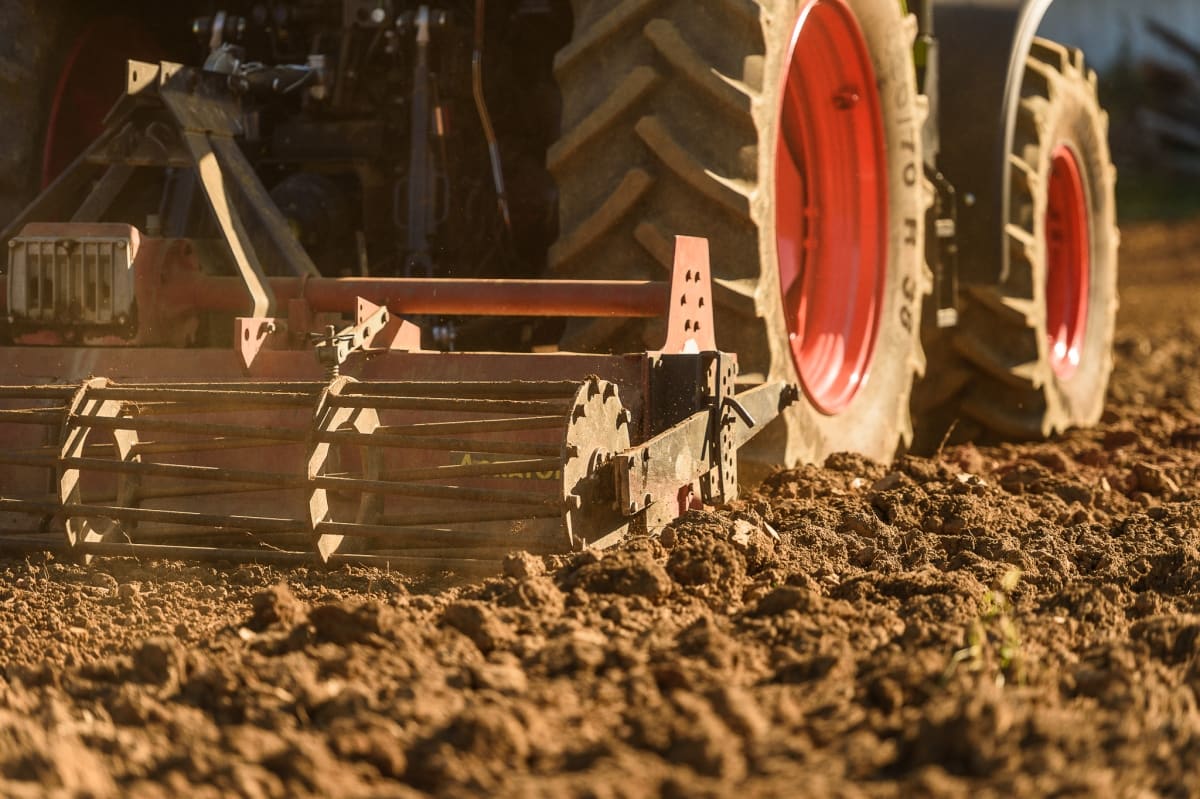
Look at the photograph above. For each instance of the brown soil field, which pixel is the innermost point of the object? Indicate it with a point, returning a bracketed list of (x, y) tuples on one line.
[(1018, 620)]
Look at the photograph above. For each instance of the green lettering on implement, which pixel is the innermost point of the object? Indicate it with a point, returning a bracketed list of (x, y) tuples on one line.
[(471, 459)]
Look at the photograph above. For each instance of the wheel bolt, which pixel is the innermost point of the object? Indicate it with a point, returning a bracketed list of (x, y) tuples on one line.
[(846, 99)]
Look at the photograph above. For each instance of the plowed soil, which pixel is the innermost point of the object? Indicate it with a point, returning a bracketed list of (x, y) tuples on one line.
[(1020, 620)]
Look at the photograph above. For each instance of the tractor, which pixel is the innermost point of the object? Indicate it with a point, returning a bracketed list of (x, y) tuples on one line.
[(373, 280)]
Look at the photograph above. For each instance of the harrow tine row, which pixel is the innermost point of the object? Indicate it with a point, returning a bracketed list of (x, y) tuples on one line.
[(381, 467)]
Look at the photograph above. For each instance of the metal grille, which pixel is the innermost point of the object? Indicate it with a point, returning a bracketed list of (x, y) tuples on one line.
[(71, 281)]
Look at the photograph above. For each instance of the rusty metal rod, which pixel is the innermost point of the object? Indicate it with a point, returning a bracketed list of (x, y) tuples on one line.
[(434, 538), (32, 416), (209, 489), (169, 534), (236, 385), (27, 531), (261, 524), (482, 425), (498, 469), (188, 471), (202, 395), (517, 469), (38, 392), (493, 553), (437, 296), (29, 459), (472, 567), (203, 409), (192, 428), (217, 521), (160, 492), (438, 517), (31, 544), (536, 407), (389, 439), (55, 449), (180, 490), (174, 551), (272, 557), (156, 447), (452, 493), (211, 445), (29, 507), (502, 389)]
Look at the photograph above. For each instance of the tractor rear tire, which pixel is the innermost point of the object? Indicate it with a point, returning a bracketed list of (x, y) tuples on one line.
[(672, 125), (62, 66), (29, 35), (1033, 353)]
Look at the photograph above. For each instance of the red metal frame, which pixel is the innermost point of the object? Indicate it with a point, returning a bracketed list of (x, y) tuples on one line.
[(831, 204), (172, 290), (243, 413), (1068, 262)]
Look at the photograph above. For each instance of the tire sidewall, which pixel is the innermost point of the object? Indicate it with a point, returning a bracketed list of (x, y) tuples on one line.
[(876, 422), (1075, 120)]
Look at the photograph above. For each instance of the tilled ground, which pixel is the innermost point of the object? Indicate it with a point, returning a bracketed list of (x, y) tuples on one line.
[(1014, 620)]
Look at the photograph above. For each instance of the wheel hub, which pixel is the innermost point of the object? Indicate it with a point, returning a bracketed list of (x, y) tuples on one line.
[(1068, 258), (831, 204)]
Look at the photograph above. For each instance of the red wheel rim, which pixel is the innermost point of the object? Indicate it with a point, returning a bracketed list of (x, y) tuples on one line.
[(91, 80), (831, 204), (1068, 255)]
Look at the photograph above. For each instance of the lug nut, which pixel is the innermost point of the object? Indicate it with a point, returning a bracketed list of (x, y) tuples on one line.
[(846, 99)]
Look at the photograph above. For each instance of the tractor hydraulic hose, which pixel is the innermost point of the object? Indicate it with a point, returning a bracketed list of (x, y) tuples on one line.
[(485, 118)]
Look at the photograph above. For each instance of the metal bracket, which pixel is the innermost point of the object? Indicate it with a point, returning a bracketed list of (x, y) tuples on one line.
[(252, 333), (690, 317), (695, 458), (375, 330)]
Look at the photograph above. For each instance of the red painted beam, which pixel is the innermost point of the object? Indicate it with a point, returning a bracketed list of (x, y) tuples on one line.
[(435, 296)]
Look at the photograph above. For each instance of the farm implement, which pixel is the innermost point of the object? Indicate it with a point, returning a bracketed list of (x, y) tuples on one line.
[(302, 440)]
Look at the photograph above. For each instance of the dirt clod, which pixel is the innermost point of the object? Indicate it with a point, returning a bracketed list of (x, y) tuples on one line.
[(276, 605)]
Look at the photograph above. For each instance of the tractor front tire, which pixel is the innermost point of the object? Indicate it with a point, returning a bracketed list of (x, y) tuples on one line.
[(1034, 352), (672, 125)]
